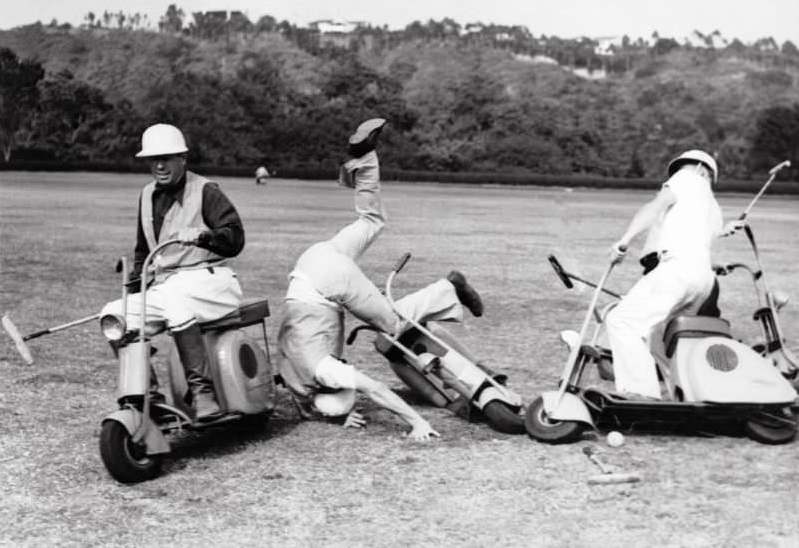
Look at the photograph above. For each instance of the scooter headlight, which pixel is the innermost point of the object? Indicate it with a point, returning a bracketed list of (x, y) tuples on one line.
[(779, 299), (113, 327)]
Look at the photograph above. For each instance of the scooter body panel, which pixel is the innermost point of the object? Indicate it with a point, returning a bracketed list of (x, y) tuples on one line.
[(153, 439), (132, 373), (242, 374), (492, 393), (569, 408), (722, 370)]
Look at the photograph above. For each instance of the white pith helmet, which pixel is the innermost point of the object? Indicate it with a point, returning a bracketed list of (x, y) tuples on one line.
[(365, 129), (162, 140), (335, 404), (695, 156)]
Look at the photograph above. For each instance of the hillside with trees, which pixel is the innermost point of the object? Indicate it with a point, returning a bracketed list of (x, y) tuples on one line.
[(474, 98)]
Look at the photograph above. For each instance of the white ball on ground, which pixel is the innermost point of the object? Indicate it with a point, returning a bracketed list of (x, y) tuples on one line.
[(615, 439)]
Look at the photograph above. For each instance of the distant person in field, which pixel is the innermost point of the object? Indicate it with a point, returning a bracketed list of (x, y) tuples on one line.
[(261, 175), (326, 281), (192, 283), (683, 221)]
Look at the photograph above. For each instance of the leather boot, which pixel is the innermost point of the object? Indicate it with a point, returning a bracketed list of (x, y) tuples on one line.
[(467, 295), (193, 357), (155, 395)]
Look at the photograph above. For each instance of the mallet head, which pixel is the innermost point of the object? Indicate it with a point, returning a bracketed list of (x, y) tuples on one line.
[(13, 332), (775, 169)]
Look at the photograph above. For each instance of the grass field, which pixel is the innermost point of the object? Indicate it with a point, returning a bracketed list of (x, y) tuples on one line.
[(296, 483)]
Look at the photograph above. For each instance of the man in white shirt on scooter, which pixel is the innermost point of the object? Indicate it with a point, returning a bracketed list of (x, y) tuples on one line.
[(683, 221), (326, 281)]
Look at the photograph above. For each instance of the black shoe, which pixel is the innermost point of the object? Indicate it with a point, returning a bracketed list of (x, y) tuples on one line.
[(467, 295)]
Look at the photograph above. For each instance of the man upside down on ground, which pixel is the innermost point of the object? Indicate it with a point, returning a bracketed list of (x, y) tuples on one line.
[(326, 281)]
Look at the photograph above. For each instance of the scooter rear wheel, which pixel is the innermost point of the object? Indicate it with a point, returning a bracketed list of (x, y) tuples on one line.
[(773, 427), (126, 461), (503, 418), (541, 428)]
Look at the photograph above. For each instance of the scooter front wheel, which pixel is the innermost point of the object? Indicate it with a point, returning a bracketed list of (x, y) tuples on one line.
[(126, 461), (503, 418), (542, 428), (772, 427)]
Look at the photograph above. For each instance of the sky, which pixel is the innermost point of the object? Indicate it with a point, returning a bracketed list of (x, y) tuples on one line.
[(747, 20)]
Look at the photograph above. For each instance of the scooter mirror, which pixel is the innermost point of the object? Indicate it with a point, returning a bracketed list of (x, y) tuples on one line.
[(560, 272)]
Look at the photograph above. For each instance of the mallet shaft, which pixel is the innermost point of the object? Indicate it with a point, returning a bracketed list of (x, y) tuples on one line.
[(61, 327), (773, 173)]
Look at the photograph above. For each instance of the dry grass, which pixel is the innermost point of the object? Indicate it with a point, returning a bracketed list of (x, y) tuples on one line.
[(298, 483)]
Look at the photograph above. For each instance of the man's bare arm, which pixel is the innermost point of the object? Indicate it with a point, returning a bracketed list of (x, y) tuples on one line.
[(385, 397)]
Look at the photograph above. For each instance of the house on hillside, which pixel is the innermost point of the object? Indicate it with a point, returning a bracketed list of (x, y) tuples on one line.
[(608, 45), (473, 28), (338, 33)]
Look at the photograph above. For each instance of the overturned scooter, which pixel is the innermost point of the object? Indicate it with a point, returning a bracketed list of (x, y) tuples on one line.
[(133, 439), (435, 366), (708, 376)]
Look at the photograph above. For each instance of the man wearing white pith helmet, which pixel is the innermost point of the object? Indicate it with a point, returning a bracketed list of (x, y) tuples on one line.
[(261, 175), (683, 221), (326, 281), (194, 282)]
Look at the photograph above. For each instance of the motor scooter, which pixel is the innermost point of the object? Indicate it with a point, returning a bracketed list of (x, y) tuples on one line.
[(133, 439), (708, 376), (437, 367)]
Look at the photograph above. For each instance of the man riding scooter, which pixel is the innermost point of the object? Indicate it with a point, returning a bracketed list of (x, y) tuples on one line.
[(683, 221), (326, 281), (191, 284)]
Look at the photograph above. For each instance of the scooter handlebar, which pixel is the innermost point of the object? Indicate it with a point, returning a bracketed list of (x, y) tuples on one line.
[(560, 272), (402, 261), (354, 333)]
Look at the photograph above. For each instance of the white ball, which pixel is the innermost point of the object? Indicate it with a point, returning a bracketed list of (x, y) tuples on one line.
[(615, 439)]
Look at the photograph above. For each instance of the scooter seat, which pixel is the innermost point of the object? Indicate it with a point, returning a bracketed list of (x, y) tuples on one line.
[(250, 313), (693, 327)]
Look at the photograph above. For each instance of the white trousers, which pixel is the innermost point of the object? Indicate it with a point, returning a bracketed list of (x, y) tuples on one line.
[(183, 298), (675, 286)]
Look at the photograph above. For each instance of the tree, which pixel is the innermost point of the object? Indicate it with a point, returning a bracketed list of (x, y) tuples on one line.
[(18, 96), (70, 117), (790, 49), (266, 23), (664, 45), (172, 20), (776, 138)]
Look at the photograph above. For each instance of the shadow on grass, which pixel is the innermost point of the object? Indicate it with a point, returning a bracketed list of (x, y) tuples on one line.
[(232, 438)]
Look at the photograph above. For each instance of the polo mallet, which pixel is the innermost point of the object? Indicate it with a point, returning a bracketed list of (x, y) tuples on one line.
[(567, 277), (608, 476), (773, 173), (20, 340)]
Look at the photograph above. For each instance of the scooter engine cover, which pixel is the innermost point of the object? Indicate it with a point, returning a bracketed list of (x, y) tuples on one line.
[(722, 370), (243, 373)]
